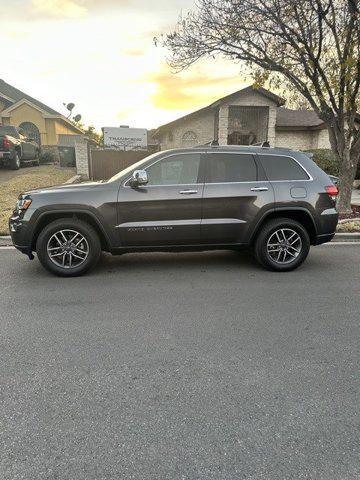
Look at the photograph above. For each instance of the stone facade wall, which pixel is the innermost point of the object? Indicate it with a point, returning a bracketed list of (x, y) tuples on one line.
[(303, 140), (323, 139), (202, 126), (296, 140), (82, 160)]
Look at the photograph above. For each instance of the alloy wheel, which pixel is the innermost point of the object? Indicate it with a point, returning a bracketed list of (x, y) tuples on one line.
[(67, 248), (284, 245)]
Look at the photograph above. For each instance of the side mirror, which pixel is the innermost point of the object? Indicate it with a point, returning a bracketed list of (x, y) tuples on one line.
[(139, 177)]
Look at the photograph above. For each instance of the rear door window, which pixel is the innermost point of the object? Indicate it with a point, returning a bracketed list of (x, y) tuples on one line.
[(278, 167), (230, 167)]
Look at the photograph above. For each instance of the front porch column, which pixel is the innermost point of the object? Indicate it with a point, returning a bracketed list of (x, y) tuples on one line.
[(223, 124)]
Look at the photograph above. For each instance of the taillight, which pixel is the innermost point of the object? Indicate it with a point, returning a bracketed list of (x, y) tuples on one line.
[(6, 144), (332, 190)]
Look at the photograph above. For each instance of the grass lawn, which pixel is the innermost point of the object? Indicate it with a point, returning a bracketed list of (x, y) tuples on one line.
[(43, 176)]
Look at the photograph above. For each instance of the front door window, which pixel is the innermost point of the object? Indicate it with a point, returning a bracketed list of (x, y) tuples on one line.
[(175, 170)]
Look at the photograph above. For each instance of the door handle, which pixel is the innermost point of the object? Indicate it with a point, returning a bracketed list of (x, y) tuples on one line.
[(259, 189), (188, 192)]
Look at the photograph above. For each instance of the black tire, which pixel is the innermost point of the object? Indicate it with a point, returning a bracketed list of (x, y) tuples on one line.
[(15, 162), (268, 231), (92, 241), (36, 162)]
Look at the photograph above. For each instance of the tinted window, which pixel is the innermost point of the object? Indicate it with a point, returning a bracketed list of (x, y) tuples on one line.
[(175, 170), (229, 167), (8, 130), (282, 168)]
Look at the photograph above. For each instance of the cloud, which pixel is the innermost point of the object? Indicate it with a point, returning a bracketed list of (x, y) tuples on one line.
[(59, 8), (189, 90), (70, 9), (132, 52)]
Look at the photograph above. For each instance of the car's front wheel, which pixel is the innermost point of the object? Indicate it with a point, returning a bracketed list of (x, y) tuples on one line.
[(68, 247), (282, 245)]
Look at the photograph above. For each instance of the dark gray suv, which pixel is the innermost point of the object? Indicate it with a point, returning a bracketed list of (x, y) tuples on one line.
[(275, 200)]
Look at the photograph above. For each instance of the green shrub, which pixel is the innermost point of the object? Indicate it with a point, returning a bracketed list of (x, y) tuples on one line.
[(327, 161)]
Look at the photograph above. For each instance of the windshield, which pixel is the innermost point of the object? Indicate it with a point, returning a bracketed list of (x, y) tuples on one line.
[(134, 166), (7, 130)]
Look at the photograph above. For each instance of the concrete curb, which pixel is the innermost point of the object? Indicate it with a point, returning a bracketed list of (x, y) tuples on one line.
[(74, 179), (349, 220), (351, 236)]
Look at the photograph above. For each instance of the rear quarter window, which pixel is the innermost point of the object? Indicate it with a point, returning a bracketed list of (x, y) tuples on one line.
[(278, 167)]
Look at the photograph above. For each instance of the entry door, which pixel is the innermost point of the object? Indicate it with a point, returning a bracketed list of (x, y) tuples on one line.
[(234, 197), (166, 211)]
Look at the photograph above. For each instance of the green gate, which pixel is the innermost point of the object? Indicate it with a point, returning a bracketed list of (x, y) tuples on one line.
[(67, 156)]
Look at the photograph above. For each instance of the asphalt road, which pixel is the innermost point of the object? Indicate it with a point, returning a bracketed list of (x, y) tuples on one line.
[(181, 366)]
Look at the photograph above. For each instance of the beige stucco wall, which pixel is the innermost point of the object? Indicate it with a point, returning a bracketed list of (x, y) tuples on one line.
[(62, 129), (202, 126), (49, 128), (251, 99)]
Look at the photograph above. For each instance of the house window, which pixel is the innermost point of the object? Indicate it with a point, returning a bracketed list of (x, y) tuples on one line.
[(189, 139), (31, 131)]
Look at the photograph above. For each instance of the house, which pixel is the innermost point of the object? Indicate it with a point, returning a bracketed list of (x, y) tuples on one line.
[(44, 124), (248, 116)]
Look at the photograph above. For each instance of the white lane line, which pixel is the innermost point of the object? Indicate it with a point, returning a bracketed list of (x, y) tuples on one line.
[(350, 242), (7, 248)]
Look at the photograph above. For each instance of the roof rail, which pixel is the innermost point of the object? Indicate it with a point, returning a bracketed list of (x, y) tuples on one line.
[(261, 144)]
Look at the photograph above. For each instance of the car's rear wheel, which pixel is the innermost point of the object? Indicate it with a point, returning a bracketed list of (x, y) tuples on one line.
[(68, 247), (15, 162), (282, 245)]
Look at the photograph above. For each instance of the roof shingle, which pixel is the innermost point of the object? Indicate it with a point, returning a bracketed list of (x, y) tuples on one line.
[(17, 95)]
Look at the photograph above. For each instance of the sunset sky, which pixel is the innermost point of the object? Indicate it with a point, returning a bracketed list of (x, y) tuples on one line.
[(100, 55)]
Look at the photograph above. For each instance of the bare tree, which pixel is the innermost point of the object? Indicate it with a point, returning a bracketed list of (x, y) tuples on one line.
[(311, 46)]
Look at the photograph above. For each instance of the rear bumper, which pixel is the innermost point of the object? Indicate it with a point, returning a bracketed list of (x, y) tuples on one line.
[(5, 156), (327, 237)]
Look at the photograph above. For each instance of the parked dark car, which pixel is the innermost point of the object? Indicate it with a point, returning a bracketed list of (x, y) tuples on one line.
[(16, 148), (275, 200)]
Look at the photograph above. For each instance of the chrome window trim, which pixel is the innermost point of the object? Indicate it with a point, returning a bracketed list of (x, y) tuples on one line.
[(310, 179), (159, 160), (232, 183)]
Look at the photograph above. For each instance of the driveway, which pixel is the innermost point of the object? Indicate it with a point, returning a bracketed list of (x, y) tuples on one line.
[(181, 366), (7, 174)]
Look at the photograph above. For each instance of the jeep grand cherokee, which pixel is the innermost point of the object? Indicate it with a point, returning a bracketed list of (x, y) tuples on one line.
[(276, 200)]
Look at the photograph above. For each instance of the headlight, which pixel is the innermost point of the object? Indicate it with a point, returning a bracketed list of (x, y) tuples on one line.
[(24, 202)]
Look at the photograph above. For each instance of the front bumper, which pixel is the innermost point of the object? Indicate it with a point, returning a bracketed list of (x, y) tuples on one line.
[(20, 234)]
